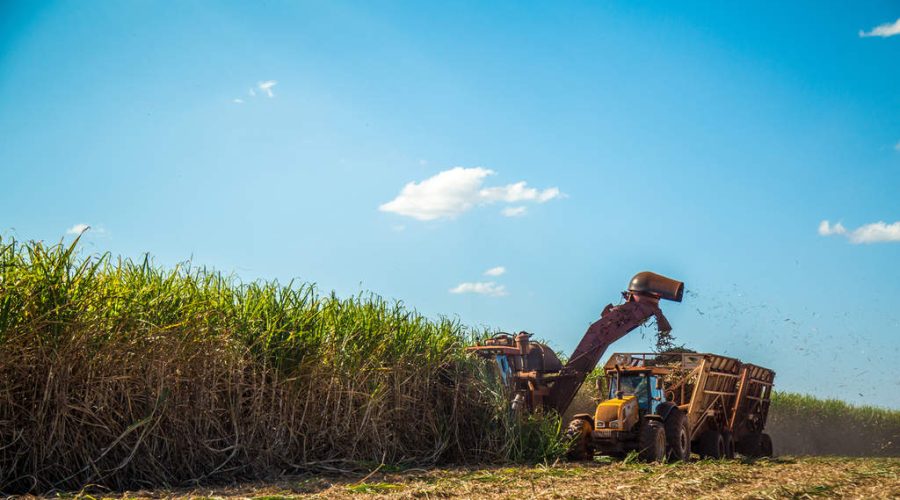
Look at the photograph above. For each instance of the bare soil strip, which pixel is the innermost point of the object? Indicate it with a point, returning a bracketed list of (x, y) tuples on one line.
[(784, 477)]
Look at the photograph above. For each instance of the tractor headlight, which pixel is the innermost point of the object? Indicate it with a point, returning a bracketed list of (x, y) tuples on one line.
[(614, 424), (600, 425)]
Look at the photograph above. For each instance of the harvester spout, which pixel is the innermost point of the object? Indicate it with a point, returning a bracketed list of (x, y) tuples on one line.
[(662, 324), (641, 303), (647, 283)]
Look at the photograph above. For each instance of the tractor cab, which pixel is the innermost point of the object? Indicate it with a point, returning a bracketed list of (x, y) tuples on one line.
[(634, 392), (643, 384)]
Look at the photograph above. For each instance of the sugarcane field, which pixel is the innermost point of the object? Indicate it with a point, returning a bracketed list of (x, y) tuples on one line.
[(293, 249)]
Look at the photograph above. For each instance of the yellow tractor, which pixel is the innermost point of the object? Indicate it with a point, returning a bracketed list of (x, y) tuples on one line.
[(665, 405), (634, 417)]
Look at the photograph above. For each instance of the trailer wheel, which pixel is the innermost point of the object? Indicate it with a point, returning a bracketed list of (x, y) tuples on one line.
[(578, 434), (712, 445), (678, 440), (765, 445), (652, 442), (728, 437), (750, 445)]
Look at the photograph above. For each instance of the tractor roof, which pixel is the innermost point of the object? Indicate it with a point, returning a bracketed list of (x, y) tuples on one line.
[(653, 370)]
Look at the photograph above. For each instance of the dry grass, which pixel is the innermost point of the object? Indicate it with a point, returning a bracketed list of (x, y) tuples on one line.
[(777, 478)]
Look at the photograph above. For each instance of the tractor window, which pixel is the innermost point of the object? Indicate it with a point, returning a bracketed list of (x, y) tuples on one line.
[(632, 385), (656, 395)]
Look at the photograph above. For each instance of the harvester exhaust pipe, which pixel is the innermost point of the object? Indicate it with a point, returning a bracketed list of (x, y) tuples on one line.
[(647, 283)]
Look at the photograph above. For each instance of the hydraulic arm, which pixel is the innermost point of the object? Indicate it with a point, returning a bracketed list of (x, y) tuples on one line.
[(534, 373)]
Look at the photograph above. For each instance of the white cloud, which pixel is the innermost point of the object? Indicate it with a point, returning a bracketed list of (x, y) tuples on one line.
[(897, 146), (452, 192), (514, 211), (78, 229), (883, 30), (447, 194), (876, 232), (517, 192), (266, 87), (826, 229), (495, 271), (481, 288)]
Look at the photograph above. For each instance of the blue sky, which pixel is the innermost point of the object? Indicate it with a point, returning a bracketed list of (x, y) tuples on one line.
[(703, 141)]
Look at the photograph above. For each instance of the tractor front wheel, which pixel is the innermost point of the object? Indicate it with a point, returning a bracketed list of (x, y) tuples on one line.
[(578, 434), (652, 442)]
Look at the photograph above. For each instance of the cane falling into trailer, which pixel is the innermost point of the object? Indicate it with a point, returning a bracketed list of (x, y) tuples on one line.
[(660, 405)]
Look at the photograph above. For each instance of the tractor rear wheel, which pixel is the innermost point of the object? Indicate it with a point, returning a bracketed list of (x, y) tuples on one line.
[(712, 445), (578, 435), (652, 442), (728, 437), (765, 445), (678, 440)]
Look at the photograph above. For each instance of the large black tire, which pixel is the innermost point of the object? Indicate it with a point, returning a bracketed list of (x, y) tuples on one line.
[(750, 445), (712, 445), (728, 437), (765, 445), (578, 435), (652, 442), (678, 439)]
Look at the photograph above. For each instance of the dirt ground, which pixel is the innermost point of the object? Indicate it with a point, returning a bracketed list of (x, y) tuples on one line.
[(784, 477)]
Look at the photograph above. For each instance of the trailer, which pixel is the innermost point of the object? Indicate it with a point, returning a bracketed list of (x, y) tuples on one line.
[(673, 404), (720, 396)]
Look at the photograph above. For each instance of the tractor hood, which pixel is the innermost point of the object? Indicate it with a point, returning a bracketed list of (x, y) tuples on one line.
[(616, 414)]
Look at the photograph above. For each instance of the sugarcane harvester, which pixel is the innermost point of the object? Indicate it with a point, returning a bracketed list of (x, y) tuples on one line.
[(661, 405), (537, 379)]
